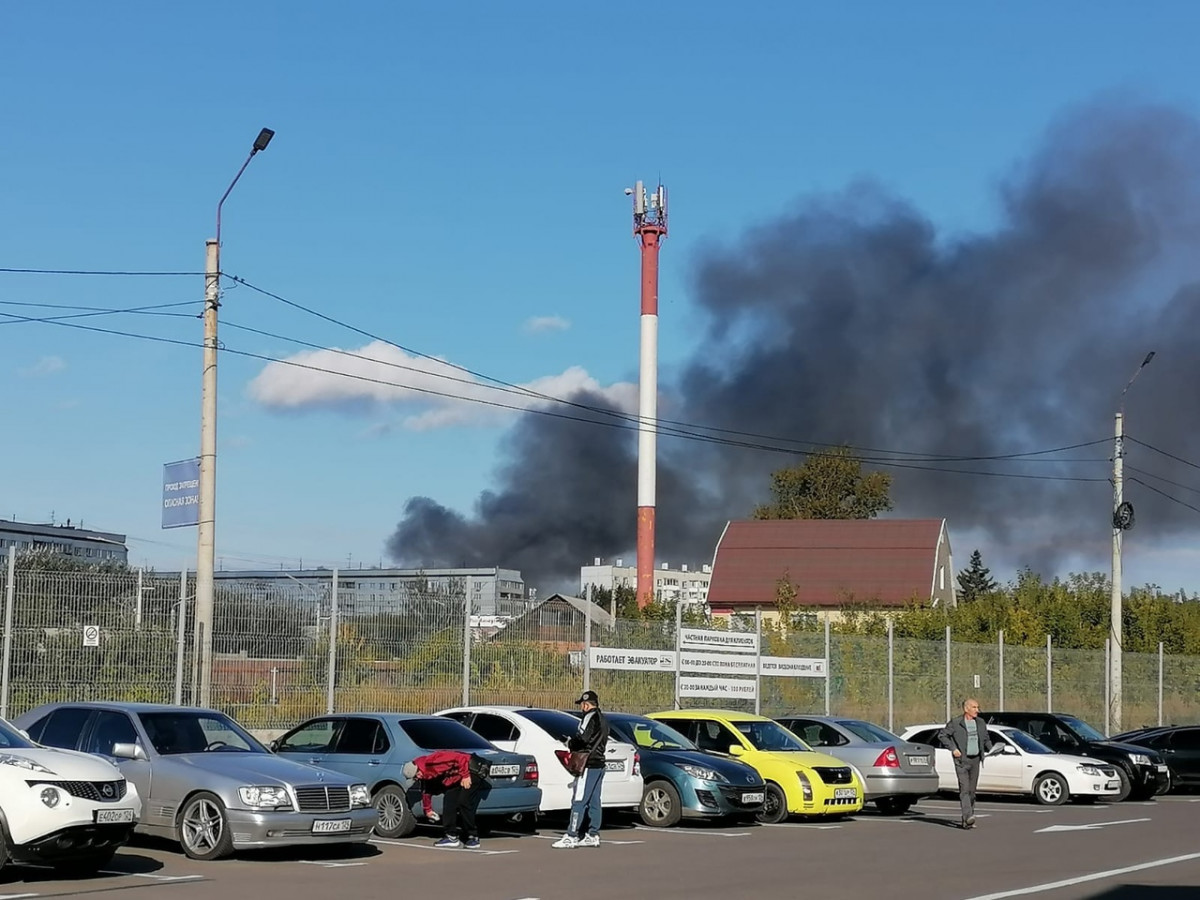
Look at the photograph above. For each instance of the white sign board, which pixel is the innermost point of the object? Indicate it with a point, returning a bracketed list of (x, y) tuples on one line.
[(91, 635), (793, 667), (717, 663), (728, 641), (733, 688), (633, 660)]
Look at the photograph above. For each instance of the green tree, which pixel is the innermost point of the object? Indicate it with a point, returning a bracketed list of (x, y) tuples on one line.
[(975, 580), (828, 485)]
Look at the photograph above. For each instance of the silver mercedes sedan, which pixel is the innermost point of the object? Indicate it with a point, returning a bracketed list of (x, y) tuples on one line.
[(204, 781)]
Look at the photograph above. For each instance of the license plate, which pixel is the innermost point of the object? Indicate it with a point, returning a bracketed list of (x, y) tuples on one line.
[(330, 826), (1161, 768), (843, 793), (753, 798), (918, 760), (614, 765), (504, 771), (1112, 786), (114, 816)]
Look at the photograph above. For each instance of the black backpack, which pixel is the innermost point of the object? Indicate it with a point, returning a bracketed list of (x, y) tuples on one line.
[(479, 767)]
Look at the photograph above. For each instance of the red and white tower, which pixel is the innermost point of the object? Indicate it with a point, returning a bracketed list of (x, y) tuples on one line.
[(650, 227)]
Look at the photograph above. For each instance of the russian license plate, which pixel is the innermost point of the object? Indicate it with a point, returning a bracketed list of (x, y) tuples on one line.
[(918, 760), (614, 765), (843, 793), (1161, 767), (753, 798), (331, 826), (1113, 786), (503, 771), (114, 816)]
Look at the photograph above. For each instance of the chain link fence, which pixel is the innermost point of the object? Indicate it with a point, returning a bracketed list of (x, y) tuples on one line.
[(129, 636)]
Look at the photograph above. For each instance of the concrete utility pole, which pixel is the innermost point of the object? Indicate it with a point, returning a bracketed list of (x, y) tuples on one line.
[(206, 526), (1122, 521)]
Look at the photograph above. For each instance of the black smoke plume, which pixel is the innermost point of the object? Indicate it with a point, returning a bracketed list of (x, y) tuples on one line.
[(852, 319)]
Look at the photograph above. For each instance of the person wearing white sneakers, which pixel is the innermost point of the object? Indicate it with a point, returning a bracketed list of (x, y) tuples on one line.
[(588, 745)]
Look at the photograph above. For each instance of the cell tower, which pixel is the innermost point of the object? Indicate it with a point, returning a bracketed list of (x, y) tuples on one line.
[(649, 227)]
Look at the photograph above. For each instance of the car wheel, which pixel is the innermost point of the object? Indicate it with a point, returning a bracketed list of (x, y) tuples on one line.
[(893, 806), (661, 806), (204, 828), (395, 818), (1126, 785), (774, 809), (85, 866), (1050, 789)]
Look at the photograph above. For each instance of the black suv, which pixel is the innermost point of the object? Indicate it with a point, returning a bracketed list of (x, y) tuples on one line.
[(1142, 771)]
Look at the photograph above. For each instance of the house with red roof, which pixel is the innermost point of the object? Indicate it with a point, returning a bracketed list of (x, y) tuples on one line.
[(831, 564)]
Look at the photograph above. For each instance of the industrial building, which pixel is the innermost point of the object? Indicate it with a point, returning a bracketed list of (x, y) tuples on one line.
[(82, 544)]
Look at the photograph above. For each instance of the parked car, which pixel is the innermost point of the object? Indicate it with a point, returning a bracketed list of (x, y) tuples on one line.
[(799, 780), (1018, 764), (543, 733), (374, 747), (1178, 745), (205, 781), (1143, 772), (68, 810), (897, 773), (682, 781)]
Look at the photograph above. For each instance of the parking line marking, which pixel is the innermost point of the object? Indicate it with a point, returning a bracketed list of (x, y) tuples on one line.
[(1083, 879), (798, 825), (18, 896), (603, 841), (693, 831), (149, 875), (442, 849), (331, 864)]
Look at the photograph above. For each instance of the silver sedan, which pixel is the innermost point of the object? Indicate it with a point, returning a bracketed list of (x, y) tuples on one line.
[(205, 782), (896, 773)]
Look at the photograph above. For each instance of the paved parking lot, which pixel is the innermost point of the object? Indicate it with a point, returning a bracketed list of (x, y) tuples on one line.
[(1147, 851)]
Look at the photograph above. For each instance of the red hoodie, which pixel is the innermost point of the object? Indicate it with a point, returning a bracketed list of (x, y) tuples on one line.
[(447, 766)]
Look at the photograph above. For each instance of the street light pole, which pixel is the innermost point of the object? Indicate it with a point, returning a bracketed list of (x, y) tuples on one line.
[(206, 525), (1122, 520)]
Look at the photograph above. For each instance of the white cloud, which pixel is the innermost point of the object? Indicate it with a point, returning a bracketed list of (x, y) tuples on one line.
[(47, 365), (431, 392), (543, 324)]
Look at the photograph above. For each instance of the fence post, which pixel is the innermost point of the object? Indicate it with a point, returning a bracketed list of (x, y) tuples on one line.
[(678, 651), (1160, 681), (587, 643), (828, 662), (137, 607), (180, 643), (333, 632), (1001, 650), (948, 706), (10, 590), (891, 675), (758, 661), (466, 672), (1049, 677), (1107, 684)]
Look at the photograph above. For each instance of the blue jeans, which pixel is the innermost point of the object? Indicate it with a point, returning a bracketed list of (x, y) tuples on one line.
[(586, 799)]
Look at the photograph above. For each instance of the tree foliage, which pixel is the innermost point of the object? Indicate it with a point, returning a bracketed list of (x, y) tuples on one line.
[(828, 485)]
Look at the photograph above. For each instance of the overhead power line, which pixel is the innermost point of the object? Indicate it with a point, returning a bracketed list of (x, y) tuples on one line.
[(123, 273), (1165, 494), (1180, 459)]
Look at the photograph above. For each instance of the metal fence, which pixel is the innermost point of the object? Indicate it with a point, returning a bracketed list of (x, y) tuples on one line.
[(282, 654)]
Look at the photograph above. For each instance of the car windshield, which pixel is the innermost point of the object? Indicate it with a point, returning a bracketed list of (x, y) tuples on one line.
[(176, 732), (559, 725), (436, 733), (11, 739), (872, 734), (647, 734), (770, 736), (1027, 743), (1083, 729)]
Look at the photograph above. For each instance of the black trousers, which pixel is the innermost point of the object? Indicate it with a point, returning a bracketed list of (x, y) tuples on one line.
[(458, 810)]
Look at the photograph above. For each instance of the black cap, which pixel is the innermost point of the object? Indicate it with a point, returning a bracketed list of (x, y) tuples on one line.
[(588, 697)]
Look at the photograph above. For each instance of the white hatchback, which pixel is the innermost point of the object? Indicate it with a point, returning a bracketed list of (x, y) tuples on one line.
[(543, 733), (61, 808), (1019, 764)]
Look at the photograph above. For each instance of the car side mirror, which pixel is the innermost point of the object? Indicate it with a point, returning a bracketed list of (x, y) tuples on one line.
[(736, 749), (274, 746), (128, 751)]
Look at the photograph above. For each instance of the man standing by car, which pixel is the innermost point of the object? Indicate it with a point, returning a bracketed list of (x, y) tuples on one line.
[(966, 737), (590, 744)]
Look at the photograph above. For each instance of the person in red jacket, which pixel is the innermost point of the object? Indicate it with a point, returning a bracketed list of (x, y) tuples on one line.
[(448, 772)]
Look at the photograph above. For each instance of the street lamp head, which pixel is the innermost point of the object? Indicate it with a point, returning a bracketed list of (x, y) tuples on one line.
[(1146, 361), (264, 138)]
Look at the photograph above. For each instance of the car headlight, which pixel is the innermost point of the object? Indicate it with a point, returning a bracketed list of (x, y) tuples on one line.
[(805, 787), (21, 762), (702, 773), (360, 797), (1091, 771), (1139, 759), (51, 797), (265, 796)]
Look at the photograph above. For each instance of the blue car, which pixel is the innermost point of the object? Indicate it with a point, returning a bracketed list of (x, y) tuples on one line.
[(374, 747), (682, 781)]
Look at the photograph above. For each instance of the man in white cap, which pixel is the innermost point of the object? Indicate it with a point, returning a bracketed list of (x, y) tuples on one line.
[(592, 740)]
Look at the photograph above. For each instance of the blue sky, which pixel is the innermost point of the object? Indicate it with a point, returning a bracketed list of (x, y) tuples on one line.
[(449, 176)]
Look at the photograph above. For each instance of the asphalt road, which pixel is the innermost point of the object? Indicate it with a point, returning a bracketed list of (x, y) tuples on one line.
[(1131, 851)]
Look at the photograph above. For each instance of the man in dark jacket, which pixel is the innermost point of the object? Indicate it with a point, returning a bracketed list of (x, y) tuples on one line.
[(966, 737), (591, 738)]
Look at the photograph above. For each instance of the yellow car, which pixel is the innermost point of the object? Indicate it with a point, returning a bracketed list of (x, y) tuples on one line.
[(799, 780)]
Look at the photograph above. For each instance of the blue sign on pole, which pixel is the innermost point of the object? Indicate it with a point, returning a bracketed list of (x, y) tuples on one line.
[(181, 493)]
